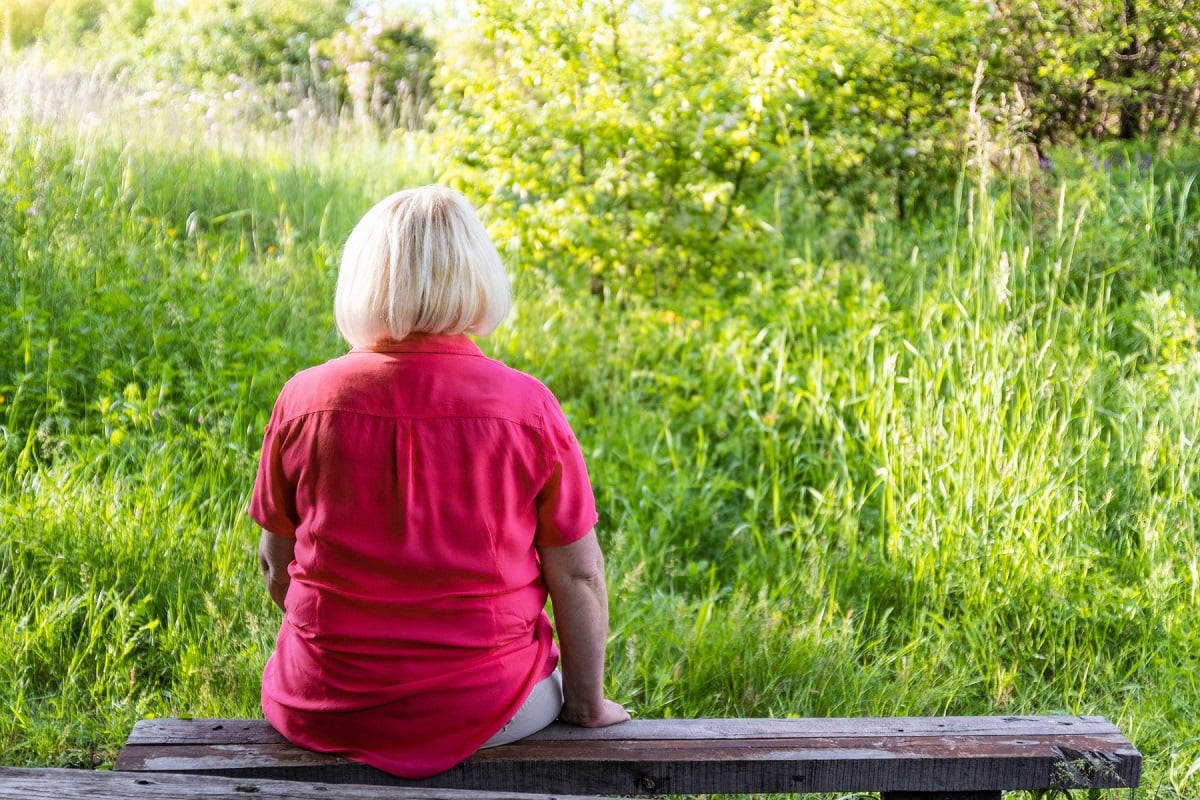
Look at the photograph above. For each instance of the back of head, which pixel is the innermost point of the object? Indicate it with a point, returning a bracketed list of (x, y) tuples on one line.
[(419, 261)]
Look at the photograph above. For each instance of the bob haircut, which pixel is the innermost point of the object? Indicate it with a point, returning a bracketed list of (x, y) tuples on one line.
[(419, 261)]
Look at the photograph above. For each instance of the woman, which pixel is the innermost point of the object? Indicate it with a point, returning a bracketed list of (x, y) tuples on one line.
[(418, 501)]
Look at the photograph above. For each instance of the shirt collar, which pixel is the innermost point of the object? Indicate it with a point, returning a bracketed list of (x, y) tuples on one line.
[(456, 344)]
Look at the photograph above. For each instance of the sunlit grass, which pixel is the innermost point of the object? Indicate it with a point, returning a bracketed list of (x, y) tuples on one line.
[(954, 473)]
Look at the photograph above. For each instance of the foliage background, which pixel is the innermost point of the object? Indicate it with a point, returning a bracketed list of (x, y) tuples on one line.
[(877, 321)]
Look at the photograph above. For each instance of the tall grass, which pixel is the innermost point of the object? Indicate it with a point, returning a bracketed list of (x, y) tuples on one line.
[(950, 470)]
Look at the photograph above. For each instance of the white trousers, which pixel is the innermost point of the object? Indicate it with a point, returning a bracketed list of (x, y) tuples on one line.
[(539, 710)]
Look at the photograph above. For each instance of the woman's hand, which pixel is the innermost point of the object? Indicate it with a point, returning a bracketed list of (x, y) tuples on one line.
[(275, 555), (609, 713)]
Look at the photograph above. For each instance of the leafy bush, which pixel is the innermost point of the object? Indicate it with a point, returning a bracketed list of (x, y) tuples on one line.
[(21, 21), (273, 58), (258, 40), (651, 145), (1090, 69), (103, 28), (382, 67)]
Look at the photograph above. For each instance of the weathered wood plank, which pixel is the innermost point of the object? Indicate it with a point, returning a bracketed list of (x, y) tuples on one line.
[(57, 784), (174, 758), (708, 777), (895, 761), (246, 731)]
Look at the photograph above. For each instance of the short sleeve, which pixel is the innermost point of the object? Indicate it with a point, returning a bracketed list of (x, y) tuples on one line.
[(566, 505), (273, 499)]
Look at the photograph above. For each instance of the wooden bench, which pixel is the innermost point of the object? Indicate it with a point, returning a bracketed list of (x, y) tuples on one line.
[(58, 784), (903, 758)]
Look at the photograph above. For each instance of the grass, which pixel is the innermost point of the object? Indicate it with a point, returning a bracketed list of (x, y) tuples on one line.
[(949, 469)]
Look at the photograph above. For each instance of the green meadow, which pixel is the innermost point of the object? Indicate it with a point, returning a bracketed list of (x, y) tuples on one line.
[(940, 466)]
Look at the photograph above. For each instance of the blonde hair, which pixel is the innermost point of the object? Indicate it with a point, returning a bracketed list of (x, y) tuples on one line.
[(419, 261)]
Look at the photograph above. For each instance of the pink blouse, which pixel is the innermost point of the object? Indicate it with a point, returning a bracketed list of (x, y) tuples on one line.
[(417, 479)]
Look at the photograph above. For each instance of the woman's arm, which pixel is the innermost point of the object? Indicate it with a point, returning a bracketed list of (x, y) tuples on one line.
[(574, 575), (275, 553)]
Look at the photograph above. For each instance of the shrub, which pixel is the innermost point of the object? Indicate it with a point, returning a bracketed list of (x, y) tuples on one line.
[(381, 67), (21, 21), (197, 43), (647, 146)]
